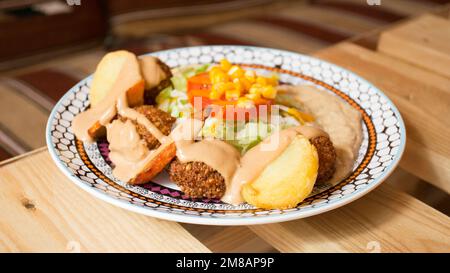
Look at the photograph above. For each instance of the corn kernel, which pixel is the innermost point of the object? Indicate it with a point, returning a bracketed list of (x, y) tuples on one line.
[(245, 102), (232, 94), (273, 80), (250, 75), (238, 85), (235, 72), (245, 83), (214, 70), (253, 97), (225, 65), (214, 95), (261, 80), (269, 92), (229, 86), (218, 76), (219, 88), (256, 88)]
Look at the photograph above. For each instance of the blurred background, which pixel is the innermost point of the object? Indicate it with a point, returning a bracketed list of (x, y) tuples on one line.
[(46, 46)]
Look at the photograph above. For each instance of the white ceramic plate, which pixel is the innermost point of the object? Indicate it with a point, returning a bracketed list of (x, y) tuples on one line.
[(87, 165)]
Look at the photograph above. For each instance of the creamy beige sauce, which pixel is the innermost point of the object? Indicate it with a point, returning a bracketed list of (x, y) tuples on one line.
[(139, 118), (151, 71), (125, 142), (129, 152), (127, 168), (223, 157), (341, 121), (215, 153), (127, 149), (259, 157)]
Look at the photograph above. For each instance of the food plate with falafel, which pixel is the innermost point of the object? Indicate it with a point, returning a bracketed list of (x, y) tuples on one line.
[(225, 135)]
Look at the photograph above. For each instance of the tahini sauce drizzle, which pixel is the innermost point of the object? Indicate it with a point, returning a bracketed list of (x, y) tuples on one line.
[(128, 151), (259, 157), (215, 153), (223, 157)]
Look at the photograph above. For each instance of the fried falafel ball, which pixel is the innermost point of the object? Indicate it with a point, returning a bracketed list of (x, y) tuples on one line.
[(150, 94), (327, 158), (162, 120), (196, 179)]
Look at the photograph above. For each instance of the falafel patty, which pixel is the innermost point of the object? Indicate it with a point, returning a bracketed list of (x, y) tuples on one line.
[(150, 95), (196, 179), (162, 120), (327, 158)]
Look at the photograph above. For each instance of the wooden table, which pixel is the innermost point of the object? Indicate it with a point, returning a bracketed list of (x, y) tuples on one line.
[(43, 211)]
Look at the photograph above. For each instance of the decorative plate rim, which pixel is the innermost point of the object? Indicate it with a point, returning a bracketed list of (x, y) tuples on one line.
[(241, 220)]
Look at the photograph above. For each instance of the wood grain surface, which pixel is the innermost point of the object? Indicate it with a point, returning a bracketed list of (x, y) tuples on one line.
[(383, 221), (42, 211), (424, 41)]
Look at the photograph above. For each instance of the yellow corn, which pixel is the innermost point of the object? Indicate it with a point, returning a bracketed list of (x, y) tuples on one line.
[(269, 92), (219, 88), (229, 86), (235, 72), (245, 102), (218, 76), (253, 96), (225, 65), (214, 70), (214, 95), (250, 75), (238, 85), (273, 80), (261, 80), (232, 94), (245, 83), (255, 89)]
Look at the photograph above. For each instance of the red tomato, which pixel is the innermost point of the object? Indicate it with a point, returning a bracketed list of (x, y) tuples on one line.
[(199, 82)]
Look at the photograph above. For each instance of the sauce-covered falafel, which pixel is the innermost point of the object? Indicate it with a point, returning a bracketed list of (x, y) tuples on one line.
[(162, 120)]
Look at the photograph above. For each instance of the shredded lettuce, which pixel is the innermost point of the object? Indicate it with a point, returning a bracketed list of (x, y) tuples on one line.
[(243, 135), (174, 102), (173, 99)]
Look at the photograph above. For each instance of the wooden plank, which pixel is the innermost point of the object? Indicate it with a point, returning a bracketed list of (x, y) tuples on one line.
[(383, 221), (401, 7), (236, 239), (262, 34), (25, 127), (42, 211), (330, 18), (424, 41), (423, 99)]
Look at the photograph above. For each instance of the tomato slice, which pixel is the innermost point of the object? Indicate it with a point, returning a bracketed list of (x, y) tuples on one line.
[(199, 82), (198, 86)]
